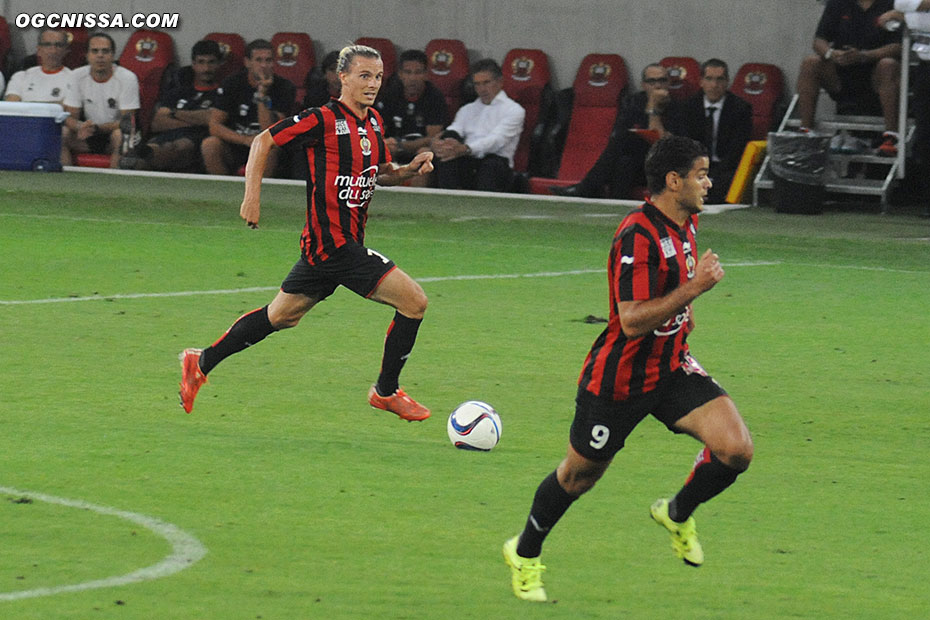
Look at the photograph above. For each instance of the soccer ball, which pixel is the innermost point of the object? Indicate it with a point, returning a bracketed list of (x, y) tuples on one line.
[(474, 425)]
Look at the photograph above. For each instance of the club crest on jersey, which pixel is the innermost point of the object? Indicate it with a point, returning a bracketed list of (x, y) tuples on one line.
[(366, 146), (668, 247), (690, 263), (342, 127)]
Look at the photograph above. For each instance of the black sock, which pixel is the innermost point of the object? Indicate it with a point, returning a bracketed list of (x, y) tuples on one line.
[(708, 478), (397, 347), (549, 504), (246, 331)]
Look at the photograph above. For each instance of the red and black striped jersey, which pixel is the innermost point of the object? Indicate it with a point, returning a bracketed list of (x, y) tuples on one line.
[(650, 257), (343, 154)]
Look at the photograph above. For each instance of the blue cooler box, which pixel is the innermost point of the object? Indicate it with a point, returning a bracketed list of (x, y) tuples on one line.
[(30, 135)]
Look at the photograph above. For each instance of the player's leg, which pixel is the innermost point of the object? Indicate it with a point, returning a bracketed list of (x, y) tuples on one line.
[(402, 292), (574, 476), (728, 450), (598, 432), (284, 311), (691, 402)]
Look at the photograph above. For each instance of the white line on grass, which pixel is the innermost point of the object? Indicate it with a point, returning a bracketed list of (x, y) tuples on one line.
[(185, 549), (259, 289)]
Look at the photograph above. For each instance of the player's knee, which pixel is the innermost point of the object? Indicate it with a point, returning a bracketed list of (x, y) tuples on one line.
[(414, 304), (419, 302), (283, 320), (737, 455)]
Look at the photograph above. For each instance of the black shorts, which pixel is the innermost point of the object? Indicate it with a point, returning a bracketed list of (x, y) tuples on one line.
[(194, 134), (855, 81), (353, 266), (602, 425), (99, 143)]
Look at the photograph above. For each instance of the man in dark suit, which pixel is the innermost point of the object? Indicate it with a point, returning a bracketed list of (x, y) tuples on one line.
[(644, 117), (721, 121)]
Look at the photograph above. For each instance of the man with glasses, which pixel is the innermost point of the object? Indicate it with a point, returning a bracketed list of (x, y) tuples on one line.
[(722, 122), (620, 166), (49, 80), (105, 95)]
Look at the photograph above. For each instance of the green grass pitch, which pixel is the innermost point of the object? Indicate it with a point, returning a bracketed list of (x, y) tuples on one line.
[(310, 504)]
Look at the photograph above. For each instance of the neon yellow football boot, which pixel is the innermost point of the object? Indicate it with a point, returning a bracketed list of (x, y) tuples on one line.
[(684, 535), (526, 573)]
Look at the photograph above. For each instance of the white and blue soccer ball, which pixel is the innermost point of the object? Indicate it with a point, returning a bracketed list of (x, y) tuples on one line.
[(474, 425)]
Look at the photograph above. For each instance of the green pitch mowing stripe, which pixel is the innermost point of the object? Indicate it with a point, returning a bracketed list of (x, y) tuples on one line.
[(314, 505)]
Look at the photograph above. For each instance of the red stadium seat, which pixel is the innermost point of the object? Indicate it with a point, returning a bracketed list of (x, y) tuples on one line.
[(388, 53), (5, 42), (91, 160), (763, 86), (294, 57), (447, 68), (684, 76), (600, 80), (526, 81), (77, 52), (232, 46), (147, 54)]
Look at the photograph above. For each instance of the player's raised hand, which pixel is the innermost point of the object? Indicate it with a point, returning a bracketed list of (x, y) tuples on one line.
[(709, 271), (422, 163)]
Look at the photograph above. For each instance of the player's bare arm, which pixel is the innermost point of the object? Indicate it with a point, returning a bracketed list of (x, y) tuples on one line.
[(254, 171), (392, 174), (639, 318)]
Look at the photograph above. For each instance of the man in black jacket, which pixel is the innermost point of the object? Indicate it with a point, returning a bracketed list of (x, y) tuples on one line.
[(619, 168), (721, 121)]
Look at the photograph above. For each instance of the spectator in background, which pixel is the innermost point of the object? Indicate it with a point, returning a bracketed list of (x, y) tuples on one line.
[(414, 110), (721, 121), (620, 166), (106, 96), (853, 56), (250, 102), (182, 117), (476, 150), (48, 81), (323, 84), (916, 14)]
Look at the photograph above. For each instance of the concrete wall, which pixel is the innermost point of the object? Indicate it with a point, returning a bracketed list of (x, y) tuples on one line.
[(778, 32)]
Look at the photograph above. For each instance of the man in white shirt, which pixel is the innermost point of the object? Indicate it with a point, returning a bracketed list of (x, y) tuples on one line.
[(476, 150), (916, 15), (48, 81), (106, 96)]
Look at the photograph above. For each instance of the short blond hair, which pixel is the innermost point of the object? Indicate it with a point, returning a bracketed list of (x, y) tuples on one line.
[(349, 52)]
